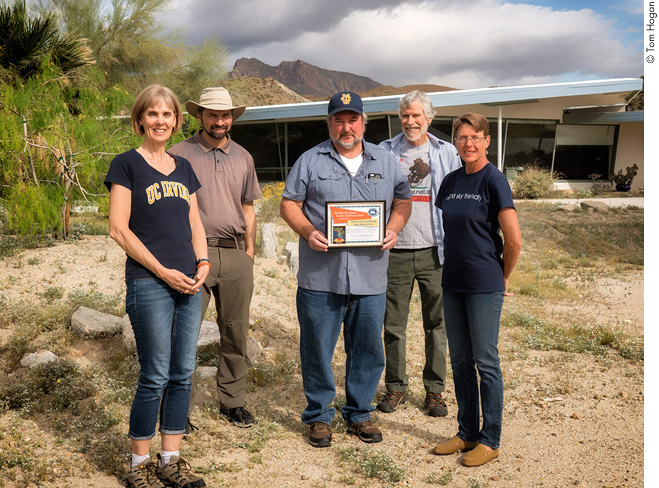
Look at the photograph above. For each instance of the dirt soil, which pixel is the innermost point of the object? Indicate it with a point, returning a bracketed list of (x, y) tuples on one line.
[(569, 419)]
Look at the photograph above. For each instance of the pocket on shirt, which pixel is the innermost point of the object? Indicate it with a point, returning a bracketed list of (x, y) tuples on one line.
[(327, 185)]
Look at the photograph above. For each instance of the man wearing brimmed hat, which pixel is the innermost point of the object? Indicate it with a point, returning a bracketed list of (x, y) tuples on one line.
[(229, 187), (342, 285)]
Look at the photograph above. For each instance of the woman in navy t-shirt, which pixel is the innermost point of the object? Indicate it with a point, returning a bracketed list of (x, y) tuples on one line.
[(155, 219), (476, 203)]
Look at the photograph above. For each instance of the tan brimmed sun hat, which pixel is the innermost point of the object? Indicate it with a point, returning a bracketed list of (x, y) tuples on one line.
[(216, 98)]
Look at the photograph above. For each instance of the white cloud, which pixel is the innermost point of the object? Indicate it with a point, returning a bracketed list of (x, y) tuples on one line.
[(481, 43)]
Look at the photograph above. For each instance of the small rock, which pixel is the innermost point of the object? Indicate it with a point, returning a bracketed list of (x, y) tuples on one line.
[(268, 241), (290, 247), (304, 477), (494, 478), (91, 323), (294, 262), (254, 351), (36, 358), (565, 208), (575, 416)]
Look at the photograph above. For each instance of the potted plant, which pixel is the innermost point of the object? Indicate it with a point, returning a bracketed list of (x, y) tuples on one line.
[(624, 181)]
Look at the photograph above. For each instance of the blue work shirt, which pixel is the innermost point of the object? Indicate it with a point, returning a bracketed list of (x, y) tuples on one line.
[(318, 176), (443, 159)]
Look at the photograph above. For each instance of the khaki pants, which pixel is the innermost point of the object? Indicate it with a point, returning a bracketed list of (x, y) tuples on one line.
[(231, 283), (404, 267)]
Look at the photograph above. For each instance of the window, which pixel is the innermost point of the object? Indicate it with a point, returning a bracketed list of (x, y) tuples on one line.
[(265, 142), (582, 150), (529, 142)]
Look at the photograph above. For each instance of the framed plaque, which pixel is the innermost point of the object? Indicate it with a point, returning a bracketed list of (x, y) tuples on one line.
[(350, 224)]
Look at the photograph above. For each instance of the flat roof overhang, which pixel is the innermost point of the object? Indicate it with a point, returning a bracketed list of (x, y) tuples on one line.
[(598, 92)]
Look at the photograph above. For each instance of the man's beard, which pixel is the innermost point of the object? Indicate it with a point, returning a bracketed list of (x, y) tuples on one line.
[(219, 137), (423, 129), (356, 141)]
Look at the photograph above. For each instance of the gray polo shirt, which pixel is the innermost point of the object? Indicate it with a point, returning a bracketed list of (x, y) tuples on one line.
[(228, 179), (318, 176)]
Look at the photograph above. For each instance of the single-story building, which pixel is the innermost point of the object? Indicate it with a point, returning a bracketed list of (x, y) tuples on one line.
[(577, 129)]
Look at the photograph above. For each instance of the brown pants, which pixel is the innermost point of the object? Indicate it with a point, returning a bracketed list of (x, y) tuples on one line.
[(231, 283)]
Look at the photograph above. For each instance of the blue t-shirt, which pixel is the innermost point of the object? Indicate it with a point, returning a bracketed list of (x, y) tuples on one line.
[(159, 212), (470, 206)]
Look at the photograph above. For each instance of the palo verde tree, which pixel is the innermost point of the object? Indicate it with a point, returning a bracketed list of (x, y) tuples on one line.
[(133, 47)]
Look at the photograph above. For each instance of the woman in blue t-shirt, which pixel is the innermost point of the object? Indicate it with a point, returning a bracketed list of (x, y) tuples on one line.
[(476, 203), (154, 218)]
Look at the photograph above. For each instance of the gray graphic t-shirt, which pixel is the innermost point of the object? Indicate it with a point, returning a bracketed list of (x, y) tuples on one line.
[(418, 233)]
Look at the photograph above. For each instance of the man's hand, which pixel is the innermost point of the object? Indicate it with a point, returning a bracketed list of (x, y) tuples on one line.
[(390, 240), (317, 241)]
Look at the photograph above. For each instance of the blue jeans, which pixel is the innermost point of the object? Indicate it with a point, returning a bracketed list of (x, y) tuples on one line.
[(472, 328), (166, 325), (320, 315)]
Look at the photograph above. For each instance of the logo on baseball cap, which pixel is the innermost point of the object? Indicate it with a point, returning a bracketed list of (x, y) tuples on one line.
[(345, 100)]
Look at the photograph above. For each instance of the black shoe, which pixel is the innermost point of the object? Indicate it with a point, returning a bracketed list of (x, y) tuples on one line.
[(366, 431), (435, 405), (238, 416), (320, 435), (189, 428), (391, 401)]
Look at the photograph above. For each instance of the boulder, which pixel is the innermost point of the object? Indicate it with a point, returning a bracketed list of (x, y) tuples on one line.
[(206, 372), (594, 206), (209, 334), (34, 359), (127, 333), (91, 323), (268, 241)]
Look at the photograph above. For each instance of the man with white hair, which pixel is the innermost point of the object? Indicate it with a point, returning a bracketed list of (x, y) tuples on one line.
[(418, 255)]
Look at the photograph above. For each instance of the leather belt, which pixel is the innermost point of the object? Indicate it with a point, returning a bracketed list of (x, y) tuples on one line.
[(219, 242)]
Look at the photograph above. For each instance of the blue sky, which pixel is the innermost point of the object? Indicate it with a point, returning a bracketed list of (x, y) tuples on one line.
[(456, 43)]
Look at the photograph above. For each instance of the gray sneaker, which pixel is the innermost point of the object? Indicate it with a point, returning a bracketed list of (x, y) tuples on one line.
[(178, 474), (144, 476)]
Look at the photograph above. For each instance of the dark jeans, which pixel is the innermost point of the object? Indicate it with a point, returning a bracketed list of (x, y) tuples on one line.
[(405, 266), (166, 325), (320, 315), (472, 327)]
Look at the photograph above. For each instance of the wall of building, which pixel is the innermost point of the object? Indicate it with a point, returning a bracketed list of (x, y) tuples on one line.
[(630, 151)]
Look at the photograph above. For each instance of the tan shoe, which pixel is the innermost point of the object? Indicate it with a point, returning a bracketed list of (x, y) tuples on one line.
[(479, 455), (452, 446)]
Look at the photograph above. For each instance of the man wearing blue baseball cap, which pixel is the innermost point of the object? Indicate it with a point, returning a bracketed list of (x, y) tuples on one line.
[(342, 285)]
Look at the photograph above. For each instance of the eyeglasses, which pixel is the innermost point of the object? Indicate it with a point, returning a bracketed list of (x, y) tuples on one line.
[(473, 139)]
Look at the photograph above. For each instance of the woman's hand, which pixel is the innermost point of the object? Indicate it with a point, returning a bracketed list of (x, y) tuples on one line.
[(179, 281), (200, 277)]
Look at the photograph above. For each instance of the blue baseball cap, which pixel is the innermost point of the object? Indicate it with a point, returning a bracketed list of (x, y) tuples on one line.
[(345, 100)]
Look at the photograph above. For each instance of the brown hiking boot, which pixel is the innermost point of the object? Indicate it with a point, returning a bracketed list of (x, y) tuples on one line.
[(143, 476), (366, 431), (391, 401), (320, 435), (435, 405), (178, 474)]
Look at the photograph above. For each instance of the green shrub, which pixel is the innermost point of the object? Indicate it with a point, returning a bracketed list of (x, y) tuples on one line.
[(534, 182)]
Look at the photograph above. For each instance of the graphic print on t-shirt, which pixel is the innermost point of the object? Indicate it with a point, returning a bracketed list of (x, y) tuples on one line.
[(418, 171), (167, 189)]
